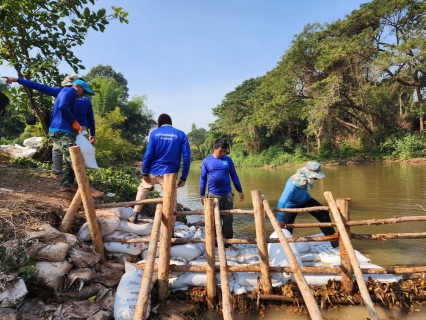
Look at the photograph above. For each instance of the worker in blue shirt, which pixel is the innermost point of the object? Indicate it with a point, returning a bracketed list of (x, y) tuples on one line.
[(166, 147), (295, 195), (83, 113), (218, 170)]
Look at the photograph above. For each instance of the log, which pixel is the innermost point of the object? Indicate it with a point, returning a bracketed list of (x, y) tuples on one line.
[(146, 283), (227, 310), (210, 252), (386, 236), (371, 222), (89, 206), (319, 270), (168, 221), (71, 212), (128, 204), (345, 264), (351, 254), (262, 245), (240, 241), (311, 304)]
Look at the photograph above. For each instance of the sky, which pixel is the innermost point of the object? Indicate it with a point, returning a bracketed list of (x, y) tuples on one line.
[(186, 55)]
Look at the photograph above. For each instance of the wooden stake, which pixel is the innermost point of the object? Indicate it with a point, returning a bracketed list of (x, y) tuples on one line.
[(146, 283), (262, 244), (167, 226), (89, 206), (227, 309), (311, 304), (345, 263), (71, 212), (351, 253), (210, 252)]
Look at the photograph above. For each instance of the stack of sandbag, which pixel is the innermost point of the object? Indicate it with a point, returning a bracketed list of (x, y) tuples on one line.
[(70, 271), (114, 225)]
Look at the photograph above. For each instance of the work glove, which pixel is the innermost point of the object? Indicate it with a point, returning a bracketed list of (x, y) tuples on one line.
[(76, 126)]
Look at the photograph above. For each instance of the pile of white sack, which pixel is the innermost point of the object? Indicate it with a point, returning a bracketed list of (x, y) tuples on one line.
[(29, 149)]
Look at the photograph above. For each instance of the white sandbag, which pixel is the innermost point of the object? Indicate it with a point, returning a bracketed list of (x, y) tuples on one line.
[(387, 278), (127, 294), (13, 293), (55, 252), (106, 226), (183, 231), (193, 279), (29, 152), (277, 254), (309, 257), (188, 251), (251, 259), (130, 248), (125, 213), (87, 151), (145, 252), (141, 229), (51, 275), (318, 279), (301, 246), (33, 142), (250, 279), (332, 256)]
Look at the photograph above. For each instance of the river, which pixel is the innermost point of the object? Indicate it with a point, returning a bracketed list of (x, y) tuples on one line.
[(376, 191)]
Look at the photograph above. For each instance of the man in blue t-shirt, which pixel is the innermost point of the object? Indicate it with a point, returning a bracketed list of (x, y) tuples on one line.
[(219, 170), (166, 147)]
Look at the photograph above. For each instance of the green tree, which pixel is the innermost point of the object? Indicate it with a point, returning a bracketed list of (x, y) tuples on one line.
[(108, 95), (37, 35), (197, 138), (101, 71)]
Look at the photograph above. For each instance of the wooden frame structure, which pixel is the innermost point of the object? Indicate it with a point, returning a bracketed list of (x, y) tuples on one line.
[(165, 218)]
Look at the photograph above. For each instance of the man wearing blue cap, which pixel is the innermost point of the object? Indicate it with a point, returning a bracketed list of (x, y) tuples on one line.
[(83, 113), (63, 125)]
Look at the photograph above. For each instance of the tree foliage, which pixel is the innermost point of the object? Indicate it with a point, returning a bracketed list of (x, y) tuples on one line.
[(101, 71), (197, 138), (38, 35), (353, 83)]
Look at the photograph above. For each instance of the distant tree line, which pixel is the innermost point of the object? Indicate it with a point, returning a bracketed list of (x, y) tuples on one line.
[(352, 85)]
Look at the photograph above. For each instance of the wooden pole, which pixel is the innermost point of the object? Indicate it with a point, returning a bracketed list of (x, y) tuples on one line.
[(129, 204), (262, 244), (227, 309), (146, 283), (71, 212), (210, 252), (311, 304), (167, 226), (239, 241), (320, 270), (351, 254), (345, 263), (89, 206)]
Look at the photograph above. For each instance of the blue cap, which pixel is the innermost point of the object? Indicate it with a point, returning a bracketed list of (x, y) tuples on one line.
[(85, 86)]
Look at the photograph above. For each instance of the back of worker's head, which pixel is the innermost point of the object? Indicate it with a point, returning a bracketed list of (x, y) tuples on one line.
[(164, 119)]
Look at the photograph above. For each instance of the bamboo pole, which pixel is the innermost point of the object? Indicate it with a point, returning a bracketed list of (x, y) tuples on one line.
[(351, 253), (128, 204), (237, 241), (262, 245), (345, 264), (371, 222), (386, 236), (146, 283), (227, 310), (311, 304), (210, 252), (319, 270), (89, 207), (168, 220), (71, 212)]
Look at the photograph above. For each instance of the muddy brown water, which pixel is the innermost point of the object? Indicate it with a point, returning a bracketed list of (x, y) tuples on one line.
[(376, 191)]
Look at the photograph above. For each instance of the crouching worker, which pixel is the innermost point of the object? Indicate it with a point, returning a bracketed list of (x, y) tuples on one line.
[(295, 195)]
